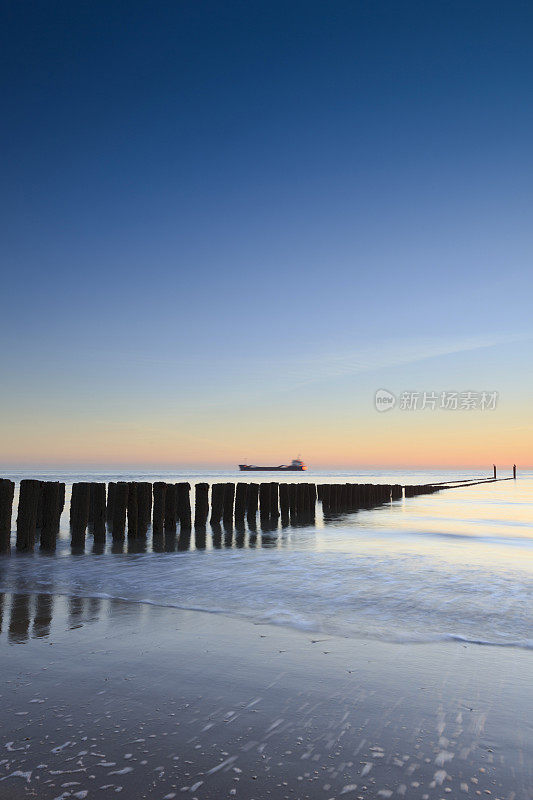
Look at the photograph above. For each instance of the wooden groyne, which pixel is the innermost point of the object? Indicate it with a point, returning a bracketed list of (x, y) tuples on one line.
[(7, 492), (130, 508)]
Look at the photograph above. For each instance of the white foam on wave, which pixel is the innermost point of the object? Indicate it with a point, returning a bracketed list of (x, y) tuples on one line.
[(402, 599)]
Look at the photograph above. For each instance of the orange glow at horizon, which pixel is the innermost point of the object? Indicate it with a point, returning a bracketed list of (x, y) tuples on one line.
[(365, 441)]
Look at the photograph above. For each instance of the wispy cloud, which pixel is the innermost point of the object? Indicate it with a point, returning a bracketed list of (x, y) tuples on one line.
[(382, 354)]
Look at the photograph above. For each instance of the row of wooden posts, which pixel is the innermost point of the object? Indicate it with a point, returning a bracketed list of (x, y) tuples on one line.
[(132, 506)]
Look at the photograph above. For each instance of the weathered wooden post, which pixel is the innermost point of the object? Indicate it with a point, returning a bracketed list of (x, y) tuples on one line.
[(325, 496), (264, 501), (160, 489), (111, 486), (217, 502), (240, 501), (349, 497), (184, 505), (302, 499), (53, 493), (274, 500), (284, 500), (144, 506), (293, 499), (7, 492), (171, 507), (27, 514), (79, 511), (252, 497), (39, 519), (494, 471), (514, 471), (201, 504), (227, 507), (120, 505), (396, 492), (334, 498), (62, 496), (132, 509), (311, 489), (97, 510)]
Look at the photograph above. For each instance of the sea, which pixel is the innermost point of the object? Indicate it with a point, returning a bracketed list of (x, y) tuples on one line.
[(453, 566)]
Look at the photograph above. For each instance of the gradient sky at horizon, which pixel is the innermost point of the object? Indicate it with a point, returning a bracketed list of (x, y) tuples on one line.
[(226, 225)]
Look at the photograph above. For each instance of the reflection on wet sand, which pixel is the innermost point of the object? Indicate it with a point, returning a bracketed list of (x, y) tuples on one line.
[(194, 705), (25, 615), (44, 608), (19, 620)]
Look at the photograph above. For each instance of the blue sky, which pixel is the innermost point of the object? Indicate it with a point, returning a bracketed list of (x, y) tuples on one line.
[(203, 203)]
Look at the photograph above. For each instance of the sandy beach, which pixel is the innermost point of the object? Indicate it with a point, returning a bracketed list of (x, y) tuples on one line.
[(102, 697)]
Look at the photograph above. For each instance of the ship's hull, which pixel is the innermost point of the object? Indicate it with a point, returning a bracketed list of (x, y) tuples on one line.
[(247, 468)]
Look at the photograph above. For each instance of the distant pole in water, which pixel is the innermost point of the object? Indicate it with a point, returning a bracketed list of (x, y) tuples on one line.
[(494, 469), (514, 471)]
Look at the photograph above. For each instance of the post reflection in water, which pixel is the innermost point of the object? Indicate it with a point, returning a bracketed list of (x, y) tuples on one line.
[(240, 533), (44, 606), (19, 621), (75, 611), (24, 616)]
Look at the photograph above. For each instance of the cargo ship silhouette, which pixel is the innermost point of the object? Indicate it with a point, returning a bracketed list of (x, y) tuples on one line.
[(296, 465)]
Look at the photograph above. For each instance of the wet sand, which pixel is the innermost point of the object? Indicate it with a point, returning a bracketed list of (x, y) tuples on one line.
[(101, 697)]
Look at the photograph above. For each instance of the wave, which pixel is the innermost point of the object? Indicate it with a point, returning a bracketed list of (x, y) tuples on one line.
[(346, 580), (290, 620)]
